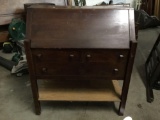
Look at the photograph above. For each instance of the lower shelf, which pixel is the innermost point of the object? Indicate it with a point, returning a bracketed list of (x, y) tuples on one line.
[(50, 90)]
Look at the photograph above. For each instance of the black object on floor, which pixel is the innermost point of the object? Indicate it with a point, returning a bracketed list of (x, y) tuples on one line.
[(146, 21), (7, 63), (152, 67)]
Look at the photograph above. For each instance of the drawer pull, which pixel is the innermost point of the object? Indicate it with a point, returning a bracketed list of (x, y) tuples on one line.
[(39, 55), (121, 56), (44, 70), (116, 70), (71, 56), (88, 56)]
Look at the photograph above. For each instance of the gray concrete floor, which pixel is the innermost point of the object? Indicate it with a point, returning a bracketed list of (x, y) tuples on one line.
[(16, 101)]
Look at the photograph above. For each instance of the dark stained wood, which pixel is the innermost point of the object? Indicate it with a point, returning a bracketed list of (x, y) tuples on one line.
[(72, 62), (88, 43), (132, 25), (32, 78), (75, 33), (54, 55), (68, 55), (100, 70), (148, 6), (127, 77)]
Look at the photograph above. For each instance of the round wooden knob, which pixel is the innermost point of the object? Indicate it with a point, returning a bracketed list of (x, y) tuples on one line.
[(39, 55), (121, 56), (116, 70), (88, 56), (71, 56), (44, 70)]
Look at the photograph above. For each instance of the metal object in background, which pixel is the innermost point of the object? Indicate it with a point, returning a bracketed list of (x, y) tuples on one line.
[(152, 67)]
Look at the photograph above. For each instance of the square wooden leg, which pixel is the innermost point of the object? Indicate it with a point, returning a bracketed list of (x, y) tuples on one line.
[(37, 107)]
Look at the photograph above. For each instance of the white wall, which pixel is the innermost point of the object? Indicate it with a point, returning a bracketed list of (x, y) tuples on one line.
[(132, 2)]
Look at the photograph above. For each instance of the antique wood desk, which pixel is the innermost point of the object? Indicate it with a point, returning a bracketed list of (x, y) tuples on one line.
[(79, 54)]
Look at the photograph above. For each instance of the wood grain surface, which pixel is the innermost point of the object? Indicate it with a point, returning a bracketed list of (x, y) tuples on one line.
[(79, 91), (79, 28)]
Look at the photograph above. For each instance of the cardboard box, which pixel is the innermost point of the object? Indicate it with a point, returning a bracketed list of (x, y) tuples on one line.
[(4, 36)]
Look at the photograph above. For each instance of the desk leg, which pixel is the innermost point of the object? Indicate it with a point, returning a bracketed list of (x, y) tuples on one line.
[(34, 87), (127, 77), (124, 97), (33, 78)]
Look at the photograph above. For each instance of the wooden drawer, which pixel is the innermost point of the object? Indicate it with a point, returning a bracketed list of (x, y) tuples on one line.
[(81, 69), (56, 69), (104, 70), (106, 63), (100, 63), (54, 56), (105, 56)]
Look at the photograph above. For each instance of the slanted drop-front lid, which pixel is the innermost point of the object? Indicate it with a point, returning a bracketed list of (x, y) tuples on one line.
[(98, 28)]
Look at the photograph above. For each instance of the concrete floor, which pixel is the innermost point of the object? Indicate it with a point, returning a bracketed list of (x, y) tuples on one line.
[(16, 101)]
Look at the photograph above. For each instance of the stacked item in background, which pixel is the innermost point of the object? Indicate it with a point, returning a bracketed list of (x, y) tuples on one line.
[(152, 67)]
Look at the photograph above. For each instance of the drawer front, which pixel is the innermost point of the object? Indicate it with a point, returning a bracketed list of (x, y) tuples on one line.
[(83, 69), (91, 63), (105, 56), (55, 56), (107, 63), (56, 69), (104, 70)]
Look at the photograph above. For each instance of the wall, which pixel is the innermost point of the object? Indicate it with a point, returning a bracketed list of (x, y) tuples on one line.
[(93, 2), (132, 2), (10, 9)]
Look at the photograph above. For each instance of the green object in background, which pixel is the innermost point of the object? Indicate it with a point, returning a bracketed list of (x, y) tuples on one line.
[(17, 29), (16, 58)]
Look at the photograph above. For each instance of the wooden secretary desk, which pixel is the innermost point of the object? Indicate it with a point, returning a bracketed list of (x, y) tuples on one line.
[(79, 54)]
